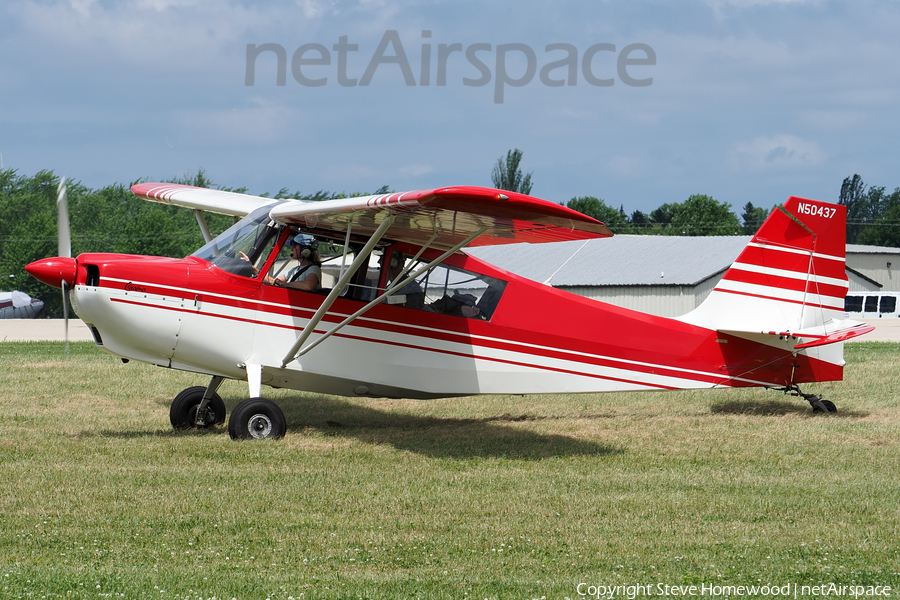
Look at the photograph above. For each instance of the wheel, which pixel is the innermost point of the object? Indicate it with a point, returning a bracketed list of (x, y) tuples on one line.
[(183, 412), (257, 419), (826, 406)]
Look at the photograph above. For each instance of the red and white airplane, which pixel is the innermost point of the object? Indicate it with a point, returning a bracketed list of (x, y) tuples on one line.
[(436, 322)]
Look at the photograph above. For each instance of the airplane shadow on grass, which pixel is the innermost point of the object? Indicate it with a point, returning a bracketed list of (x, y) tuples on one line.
[(777, 408), (445, 437), (450, 437)]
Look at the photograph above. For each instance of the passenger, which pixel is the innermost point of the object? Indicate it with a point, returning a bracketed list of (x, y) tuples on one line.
[(411, 294), (308, 274)]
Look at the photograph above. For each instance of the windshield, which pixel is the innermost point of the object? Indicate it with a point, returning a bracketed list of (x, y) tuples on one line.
[(240, 247)]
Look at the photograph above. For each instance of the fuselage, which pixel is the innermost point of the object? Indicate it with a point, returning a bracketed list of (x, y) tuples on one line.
[(191, 315)]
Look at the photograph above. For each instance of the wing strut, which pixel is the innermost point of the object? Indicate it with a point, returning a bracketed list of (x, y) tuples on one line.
[(294, 354), (361, 257), (201, 221)]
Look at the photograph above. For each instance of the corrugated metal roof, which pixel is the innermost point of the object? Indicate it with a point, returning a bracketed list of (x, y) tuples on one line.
[(863, 249), (620, 260)]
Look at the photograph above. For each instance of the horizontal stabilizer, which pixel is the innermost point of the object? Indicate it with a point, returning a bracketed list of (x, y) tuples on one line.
[(832, 332), (855, 329)]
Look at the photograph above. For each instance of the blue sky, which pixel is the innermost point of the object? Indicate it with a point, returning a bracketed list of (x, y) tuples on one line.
[(750, 100)]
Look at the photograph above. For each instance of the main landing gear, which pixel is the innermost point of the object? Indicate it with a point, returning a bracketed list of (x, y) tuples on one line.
[(201, 407), (817, 404), (197, 407), (256, 419)]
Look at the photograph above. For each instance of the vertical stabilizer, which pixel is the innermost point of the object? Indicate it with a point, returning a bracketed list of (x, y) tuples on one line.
[(790, 277)]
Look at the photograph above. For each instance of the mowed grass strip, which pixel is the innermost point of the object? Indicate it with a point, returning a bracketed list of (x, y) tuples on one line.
[(490, 497)]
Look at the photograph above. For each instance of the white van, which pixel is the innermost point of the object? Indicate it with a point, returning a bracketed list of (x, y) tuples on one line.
[(872, 305)]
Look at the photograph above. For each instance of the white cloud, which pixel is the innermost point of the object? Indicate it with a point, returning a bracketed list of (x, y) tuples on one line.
[(167, 36), (312, 9), (780, 151)]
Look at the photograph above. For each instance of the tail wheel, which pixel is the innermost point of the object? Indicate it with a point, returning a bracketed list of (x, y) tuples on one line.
[(183, 412), (257, 419), (824, 406)]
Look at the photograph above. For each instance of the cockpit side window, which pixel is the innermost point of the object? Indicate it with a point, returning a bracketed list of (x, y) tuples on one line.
[(444, 289), (455, 291)]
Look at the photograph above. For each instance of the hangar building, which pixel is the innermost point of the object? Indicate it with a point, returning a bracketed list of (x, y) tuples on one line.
[(662, 275)]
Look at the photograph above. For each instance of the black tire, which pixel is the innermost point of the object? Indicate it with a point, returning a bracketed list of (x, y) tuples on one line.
[(183, 412), (826, 406), (257, 419)]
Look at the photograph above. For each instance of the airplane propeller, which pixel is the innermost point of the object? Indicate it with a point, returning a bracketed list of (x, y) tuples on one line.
[(65, 247), (59, 271)]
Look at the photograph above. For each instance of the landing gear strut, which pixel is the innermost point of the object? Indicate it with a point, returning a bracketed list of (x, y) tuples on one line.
[(817, 404)]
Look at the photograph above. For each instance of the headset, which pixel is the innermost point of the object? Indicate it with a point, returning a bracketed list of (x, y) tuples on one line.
[(307, 243)]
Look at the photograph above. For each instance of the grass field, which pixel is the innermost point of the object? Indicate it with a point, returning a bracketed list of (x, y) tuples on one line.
[(494, 497)]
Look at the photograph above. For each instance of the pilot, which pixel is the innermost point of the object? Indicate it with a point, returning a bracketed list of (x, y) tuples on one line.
[(411, 294), (307, 275)]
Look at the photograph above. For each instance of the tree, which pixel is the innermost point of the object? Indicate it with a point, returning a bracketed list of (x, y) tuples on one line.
[(28, 232), (661, 219), (753, 218), (614, 218), (854, 197), (508, 176), (873, 215), (698, 215), (884, 229), (639, 222)]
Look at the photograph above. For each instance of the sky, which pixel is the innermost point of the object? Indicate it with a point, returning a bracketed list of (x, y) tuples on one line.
[(743, 100)]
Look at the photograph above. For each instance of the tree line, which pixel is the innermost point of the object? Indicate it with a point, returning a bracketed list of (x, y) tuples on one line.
[(112, 219), (873, 214), (698, 215)]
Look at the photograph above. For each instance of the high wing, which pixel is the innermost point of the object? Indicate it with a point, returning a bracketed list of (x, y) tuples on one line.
[(440, 218), (197, 198), (443, 218)]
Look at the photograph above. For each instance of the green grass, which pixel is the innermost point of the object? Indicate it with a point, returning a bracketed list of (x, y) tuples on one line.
[(492, 497)]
